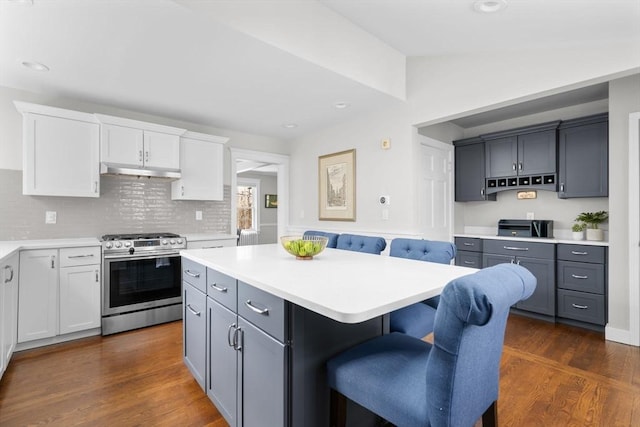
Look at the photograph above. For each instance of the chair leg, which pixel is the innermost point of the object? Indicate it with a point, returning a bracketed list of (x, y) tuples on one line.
[(490, 416), (337, 409)]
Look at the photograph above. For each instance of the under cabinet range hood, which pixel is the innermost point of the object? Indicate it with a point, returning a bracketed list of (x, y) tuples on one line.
[(115, 169)]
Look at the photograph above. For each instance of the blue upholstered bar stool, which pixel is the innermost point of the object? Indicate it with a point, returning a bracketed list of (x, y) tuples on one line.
[(417, 319), (333, 237), (453, 382), (367, 244)]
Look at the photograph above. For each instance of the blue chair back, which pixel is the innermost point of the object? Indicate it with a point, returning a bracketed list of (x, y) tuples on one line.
[(354, 242), (333, 237), (463, 368), (423, 250)]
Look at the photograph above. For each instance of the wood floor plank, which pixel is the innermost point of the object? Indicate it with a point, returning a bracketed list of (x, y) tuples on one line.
[(551, 375)]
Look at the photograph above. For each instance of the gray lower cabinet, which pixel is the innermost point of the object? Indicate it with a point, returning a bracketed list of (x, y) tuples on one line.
[(468, 252), (264, 357), (582, 283), (194, 327), (539, 259)]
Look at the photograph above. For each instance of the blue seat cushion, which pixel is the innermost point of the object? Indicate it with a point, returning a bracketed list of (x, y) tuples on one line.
[(333, 237), (367, 244), (423, 250), (415, 320), (386, 373)]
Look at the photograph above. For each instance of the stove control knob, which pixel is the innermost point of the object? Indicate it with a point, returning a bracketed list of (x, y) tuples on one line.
[(108, 245), (173, 242), (164, 241), (179, 241), (127, 244), (117, 244)]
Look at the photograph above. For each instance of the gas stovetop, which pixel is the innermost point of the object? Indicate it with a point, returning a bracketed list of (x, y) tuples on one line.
[(142, 242)]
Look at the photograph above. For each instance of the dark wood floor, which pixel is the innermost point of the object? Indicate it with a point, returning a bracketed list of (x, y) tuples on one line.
[(552, 375)]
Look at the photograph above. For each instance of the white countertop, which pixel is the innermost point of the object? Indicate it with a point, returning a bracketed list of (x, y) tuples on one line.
[(201, 237), (8, 247), (346, 286), (536, 239)]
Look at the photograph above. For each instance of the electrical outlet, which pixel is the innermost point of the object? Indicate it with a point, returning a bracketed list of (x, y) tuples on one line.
[(198, 215), (530, 215), (50, 217)]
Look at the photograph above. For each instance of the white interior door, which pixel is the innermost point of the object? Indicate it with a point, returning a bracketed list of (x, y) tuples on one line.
[(634, 228), (436, 191)]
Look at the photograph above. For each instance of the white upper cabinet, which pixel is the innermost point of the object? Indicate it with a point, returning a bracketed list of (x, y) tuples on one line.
[(130, 143), (60, 152), (201, 165)]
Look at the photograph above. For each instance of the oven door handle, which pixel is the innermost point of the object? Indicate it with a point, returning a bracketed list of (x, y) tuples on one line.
[(145, 256)]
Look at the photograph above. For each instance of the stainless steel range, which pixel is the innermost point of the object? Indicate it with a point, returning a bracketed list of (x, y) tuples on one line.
[(141, 283)]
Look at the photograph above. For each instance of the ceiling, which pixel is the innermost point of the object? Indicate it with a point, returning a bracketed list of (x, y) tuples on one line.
[(244, 65)]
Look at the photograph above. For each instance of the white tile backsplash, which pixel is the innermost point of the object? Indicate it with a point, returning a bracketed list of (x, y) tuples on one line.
[(126, 205)]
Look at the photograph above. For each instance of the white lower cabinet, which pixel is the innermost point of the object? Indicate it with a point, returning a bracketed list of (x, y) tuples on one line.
[(8, 309), (59, 292), (38, 295)]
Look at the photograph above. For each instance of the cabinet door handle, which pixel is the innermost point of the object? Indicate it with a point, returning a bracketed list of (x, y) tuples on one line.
[(95, 186), (470, 262), (562, 187), (513, 166), (189, 273), (197, 313), (469, 244), (212, 247), (53, 261), (250, 306), (8, 267), (232, 327), (219, 288), (515, 248), (97, 276), (579, 253), (580, 307), (579, 277), (520, 166), (482, 191)]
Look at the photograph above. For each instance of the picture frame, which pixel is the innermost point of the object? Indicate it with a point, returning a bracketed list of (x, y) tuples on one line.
[(337, 186), (270, 200)]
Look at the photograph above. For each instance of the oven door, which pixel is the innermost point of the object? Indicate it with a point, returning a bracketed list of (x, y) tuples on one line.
[(139, 282)]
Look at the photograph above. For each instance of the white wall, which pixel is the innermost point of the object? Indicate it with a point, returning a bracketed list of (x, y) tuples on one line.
[(624, 98)]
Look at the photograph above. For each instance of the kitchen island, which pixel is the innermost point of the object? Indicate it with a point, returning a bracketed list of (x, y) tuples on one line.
[(272, 321)]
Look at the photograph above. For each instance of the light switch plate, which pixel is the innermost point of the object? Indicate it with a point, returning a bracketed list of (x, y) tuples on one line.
[(198, 215), (50, 217)]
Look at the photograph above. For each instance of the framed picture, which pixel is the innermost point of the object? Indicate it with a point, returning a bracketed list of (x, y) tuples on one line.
[(337, 186), (270, 200)]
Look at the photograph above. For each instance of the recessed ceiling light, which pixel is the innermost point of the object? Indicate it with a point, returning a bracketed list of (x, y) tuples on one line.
[(38, 66), (489, 6), (290, 125), (341, 105)]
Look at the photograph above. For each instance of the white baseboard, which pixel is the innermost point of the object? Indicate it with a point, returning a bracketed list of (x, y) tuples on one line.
[(622, 336)]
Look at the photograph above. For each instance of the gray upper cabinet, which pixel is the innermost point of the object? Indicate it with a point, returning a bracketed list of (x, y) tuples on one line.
[(469, 171), (522, 151), (583, 157)]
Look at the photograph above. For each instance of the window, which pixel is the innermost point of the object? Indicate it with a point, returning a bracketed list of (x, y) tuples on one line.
[(248, 205)]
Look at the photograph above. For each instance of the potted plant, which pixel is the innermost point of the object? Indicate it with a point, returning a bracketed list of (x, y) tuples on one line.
[(592, 219), (578, 230)]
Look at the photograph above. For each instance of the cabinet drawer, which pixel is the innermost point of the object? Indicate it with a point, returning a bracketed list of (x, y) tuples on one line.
[(468, 244), (79, 256), (469, 259), (194, 273), (520, 248), (264, 310), (581, 253), (581, 306), (580, 276), (222, 288)]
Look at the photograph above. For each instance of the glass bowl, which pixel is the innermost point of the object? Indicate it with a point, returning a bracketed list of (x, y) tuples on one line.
[(304, 247)]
